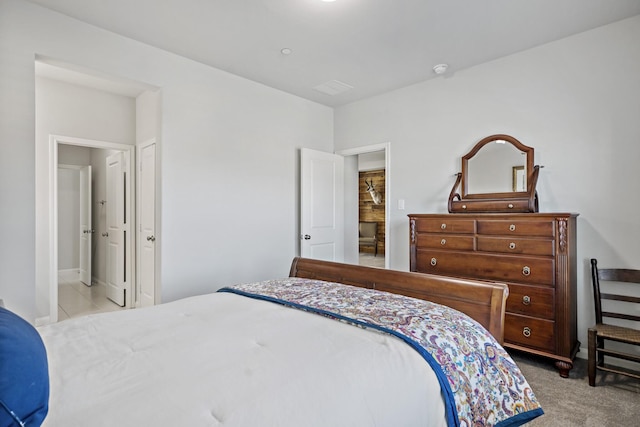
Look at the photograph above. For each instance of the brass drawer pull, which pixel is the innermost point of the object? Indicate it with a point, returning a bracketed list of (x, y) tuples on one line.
[(464, 206), (443, 242), (443, 226), (510, 205), (512, 227), (434, 262), (512, 245), (526, 300), (526, 331), (526, 270)]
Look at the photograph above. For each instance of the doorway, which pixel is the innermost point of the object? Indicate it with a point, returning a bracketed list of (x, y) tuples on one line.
[(128, 267), (382, 152), (371, 209)]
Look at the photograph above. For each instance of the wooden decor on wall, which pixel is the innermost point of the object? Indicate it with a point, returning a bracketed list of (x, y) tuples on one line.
[(368, 209)]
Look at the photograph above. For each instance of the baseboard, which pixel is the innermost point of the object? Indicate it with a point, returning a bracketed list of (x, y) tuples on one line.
[(613, 361), (96, 281), (44, 320), (71, 274)]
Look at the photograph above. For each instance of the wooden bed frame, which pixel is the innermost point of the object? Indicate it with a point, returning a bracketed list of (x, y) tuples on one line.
[(483, 301)]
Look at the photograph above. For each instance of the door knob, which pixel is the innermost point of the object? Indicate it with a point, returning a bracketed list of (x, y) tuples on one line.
[(105, 234), (306, 237), (151, 238)]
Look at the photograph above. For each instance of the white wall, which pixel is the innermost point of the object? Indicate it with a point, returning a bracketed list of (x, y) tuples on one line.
[(71, 110), (229, 159), (148, 116), (576, 101), (81, 112), (371, 161)]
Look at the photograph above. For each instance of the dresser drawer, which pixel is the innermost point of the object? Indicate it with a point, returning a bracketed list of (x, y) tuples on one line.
[(503, 268), (531, 301), (446, 225), (516, 205), (530, 332), (515, 245), (509, 227), (445, 241)]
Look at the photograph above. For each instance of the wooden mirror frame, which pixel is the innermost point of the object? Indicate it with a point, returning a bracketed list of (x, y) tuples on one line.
[(520, 201)]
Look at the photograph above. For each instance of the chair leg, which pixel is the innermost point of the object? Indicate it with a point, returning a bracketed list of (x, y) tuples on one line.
[(591, 364), (600, 355), (375, 253)]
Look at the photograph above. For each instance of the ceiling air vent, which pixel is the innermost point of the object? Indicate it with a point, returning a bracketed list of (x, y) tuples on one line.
[(333, 87)]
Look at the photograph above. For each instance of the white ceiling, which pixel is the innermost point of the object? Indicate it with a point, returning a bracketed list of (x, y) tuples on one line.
[(372, 45)]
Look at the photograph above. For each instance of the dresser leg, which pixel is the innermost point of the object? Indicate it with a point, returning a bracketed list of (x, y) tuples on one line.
[(564, 368)]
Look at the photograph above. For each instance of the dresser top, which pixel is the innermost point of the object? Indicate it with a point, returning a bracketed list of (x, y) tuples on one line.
[(536, 215)]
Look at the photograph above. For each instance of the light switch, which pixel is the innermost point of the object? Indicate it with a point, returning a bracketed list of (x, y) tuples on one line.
[(400, 204)]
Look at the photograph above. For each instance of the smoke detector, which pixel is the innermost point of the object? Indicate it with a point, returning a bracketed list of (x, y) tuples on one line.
[(440, 68)]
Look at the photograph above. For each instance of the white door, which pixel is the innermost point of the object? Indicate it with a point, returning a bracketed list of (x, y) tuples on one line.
[(86, 231), (116, 229), (147, 225), (321, 205)]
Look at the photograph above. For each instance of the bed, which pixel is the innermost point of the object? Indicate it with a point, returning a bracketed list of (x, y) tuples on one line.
[(331, 345)]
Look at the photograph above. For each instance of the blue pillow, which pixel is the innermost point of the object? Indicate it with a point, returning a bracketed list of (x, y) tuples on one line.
[(24, 374)]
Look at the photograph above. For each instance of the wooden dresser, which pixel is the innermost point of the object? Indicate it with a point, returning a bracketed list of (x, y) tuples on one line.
[(533, 253)]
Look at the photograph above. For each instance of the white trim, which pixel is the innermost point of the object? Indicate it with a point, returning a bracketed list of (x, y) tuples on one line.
[(386, 147), (70, 272), (74, 167), (95, 281), (365, 149), (52, 277), (45, 320)]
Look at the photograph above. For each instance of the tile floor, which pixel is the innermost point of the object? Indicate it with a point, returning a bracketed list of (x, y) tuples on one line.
[(369, 260), (76, 299)]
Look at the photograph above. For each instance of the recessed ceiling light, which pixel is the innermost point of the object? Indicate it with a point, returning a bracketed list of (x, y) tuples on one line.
[(440, 69), (285, 51)]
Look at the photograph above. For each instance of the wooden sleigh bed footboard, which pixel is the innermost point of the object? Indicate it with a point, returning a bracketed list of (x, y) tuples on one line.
[(485, 302)]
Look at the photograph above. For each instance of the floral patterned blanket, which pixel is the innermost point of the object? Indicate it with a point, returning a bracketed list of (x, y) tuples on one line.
[(481, 384)]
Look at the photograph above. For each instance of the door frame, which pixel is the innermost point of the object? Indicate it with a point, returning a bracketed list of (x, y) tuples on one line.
[(54, 142), (386, 147), (86, 201)]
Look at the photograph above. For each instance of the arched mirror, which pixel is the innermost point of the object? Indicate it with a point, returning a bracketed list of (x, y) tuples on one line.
[(498, 175)]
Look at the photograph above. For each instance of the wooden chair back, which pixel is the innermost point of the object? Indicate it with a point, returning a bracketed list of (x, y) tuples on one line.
[(614, 275)]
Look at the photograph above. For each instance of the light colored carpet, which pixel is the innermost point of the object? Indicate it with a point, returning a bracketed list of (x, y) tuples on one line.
[(568, 402)]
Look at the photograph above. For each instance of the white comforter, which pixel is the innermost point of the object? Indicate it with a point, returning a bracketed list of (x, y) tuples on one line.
[(227, 360)]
